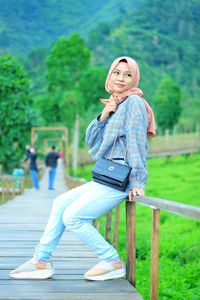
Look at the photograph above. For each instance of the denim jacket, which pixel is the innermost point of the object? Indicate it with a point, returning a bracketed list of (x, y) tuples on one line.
[(128, 125)]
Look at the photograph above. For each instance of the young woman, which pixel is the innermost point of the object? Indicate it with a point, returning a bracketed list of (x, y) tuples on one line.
[(76, 208)]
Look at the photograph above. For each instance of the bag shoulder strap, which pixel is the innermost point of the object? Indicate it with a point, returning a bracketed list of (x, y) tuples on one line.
[(114, 143)]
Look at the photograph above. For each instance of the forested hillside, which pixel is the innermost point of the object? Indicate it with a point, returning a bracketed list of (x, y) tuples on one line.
[(163, 35), (27, 24)]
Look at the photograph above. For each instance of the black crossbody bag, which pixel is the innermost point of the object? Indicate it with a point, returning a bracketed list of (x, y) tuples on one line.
[(110, 173)]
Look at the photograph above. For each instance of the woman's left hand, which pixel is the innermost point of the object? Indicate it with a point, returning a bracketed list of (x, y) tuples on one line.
[(135, 192)]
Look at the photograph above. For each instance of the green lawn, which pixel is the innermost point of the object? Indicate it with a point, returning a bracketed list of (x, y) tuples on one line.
[(177, 179)]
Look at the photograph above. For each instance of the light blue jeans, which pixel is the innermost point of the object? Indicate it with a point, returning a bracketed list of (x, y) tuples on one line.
[(75, 210), (34, 177), (52, 174)]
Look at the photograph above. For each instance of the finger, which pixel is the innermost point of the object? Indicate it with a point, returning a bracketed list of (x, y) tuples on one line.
[(136, 193), (104, 101), (131, 198)]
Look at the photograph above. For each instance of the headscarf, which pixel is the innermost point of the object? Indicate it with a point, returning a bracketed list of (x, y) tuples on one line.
[(120, 97)]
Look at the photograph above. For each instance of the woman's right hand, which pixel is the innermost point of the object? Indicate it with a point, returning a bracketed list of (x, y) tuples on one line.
[(110, 106)]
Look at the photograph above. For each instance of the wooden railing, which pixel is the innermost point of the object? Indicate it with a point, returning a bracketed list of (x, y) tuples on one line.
[(10, 186), (156, 205)]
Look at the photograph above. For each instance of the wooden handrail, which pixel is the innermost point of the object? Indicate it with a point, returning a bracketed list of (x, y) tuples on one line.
[(156, 204), (189, 211), (8, 186)]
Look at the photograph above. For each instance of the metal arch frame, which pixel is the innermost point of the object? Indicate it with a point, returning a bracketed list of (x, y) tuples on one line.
[(60, 128)]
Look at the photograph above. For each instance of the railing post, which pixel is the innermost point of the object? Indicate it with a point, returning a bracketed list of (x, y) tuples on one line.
[(108, 225), (96, 224), (3, 189), (130, 241), (116, 226), (155, 254)]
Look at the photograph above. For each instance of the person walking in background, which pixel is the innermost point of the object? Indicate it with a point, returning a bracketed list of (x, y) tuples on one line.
[(31, 156), (126, 121), (51, 162)]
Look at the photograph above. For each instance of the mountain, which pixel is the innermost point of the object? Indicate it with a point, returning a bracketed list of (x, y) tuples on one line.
[(27, 24), (163, 36)]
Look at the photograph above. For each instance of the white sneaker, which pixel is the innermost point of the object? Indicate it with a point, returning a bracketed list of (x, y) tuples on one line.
[(105, 271), (33, 270)]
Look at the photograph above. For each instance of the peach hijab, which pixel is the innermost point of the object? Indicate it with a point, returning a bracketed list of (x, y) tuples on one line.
[(120, 97)]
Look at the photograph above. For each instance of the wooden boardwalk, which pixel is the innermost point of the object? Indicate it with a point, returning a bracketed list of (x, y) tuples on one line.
[(22, 222)]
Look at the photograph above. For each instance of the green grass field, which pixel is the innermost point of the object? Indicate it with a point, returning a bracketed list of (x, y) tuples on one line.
[(177, 179)]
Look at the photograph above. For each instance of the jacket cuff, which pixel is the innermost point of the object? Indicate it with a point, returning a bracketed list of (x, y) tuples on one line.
[(99, 123), (137, 184)]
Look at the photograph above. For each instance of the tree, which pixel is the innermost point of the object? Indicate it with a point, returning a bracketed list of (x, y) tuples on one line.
[(17, 116), (190, 107), (35, 65), (167, 103), (92, 86), (70, 106), (67, 60), (65, 64)]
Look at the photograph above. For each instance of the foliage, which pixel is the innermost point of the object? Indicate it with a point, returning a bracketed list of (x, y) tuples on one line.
[(69, 106), (167, 103), (67, 59), (179, 265), (92, 84), (66, 62), (190, 117), (35, 66), (92, 88), (16, 116)]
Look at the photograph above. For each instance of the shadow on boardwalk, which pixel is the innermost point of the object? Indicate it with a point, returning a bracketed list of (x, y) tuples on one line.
[(22, 222)]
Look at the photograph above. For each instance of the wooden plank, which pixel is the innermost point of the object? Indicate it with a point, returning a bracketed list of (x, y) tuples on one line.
[(189, 211), (59, 263), (71, 287), (69, 296), (5, 246), (21, 226), (30, 235), (60, 274), (23, 244), (63, 286), (59, 253)]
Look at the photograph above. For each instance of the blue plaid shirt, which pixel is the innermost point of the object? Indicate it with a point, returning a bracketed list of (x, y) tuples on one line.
[(129, 124)]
